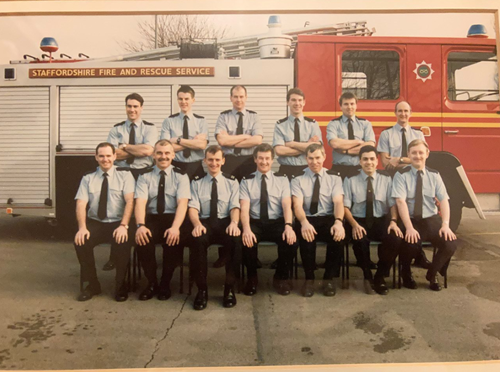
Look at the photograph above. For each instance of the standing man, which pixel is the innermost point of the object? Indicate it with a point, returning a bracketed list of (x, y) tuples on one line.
[(109, 193), (346, 135), (215, 215), (188, 133), (319, 209), (372, 215), (415, 188), (238, 131), (293, 134), (266, 214), (162, 197), (133, 139)]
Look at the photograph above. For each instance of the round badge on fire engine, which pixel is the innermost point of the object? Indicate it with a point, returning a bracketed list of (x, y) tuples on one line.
[(423, 71)]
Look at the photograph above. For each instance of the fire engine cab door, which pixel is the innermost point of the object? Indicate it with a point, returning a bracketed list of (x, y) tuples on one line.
[(24, 146), (471, 116)]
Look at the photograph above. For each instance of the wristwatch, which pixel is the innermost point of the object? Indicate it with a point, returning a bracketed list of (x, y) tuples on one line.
[(289, 224), (140, 224), (179, 140), (125, 226), (401, 160)]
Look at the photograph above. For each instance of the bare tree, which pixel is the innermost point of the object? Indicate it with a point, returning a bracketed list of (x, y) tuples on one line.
[(172, 29)]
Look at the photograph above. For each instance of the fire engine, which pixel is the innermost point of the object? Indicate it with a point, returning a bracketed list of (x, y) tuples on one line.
[(55, 111)]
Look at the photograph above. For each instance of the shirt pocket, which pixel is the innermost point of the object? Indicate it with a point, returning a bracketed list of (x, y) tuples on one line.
[(359, 197)]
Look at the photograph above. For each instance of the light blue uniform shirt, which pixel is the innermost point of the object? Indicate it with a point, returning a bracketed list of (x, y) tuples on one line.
[(228, 195), (355, 194), (176, 187), (145, 133), (120, 183), (172, 127), (284, 132), (330, 186), (228, 121), (405, 185), (391, 139), (337, 128), (278, 188)]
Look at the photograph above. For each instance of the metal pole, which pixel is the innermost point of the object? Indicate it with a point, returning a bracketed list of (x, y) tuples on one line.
[(156, 31)]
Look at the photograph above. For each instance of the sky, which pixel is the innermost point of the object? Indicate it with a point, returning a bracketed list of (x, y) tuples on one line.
[(100, 36)]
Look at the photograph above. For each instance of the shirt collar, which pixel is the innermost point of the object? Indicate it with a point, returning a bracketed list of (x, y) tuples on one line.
[(258, 175), (235, 112), (109, 172), (292, 118), (414, 170), (168, 171), (138, 122), (189, 115), (344, 119), (311, 174), (365, 176)]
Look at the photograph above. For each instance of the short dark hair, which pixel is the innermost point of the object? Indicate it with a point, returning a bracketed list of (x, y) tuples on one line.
[(263, 147), (396, 107), (135, 96), (105, 144), (214, 149), (163, 142), (315, 147), (186, 89), (237, 87), (347, 95), (295, 91), (367, 148)]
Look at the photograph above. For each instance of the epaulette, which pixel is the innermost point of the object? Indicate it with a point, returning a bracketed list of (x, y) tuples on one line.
[(225, 112), (432, 170), (230, 176), (386, 129), (249, 176), (251, 111), (178, 170), (174, 115), (405, 169), (198, 116), (149, 170), (361, 118), (309, 119), (278, 174), (90, 172), (121, 123), (148, 123), (197, 178), (282, 120), (334, 172), (383, 172), (123, 169), (339, 118)]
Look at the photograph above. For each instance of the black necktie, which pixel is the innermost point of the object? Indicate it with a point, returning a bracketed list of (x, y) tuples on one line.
[(350, 130), (264, 213), (369, 203), (160, 198), (296, 131), (239, 130), (404, 145), (185, 135), (419, 197), (315, 197), (213, 202), (131, 141), (103, 199)]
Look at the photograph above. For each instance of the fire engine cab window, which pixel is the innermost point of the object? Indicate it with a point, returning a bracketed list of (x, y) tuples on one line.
[(472, 76), (371, 74)]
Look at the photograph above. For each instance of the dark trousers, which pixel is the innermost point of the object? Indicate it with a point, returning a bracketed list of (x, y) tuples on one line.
[(101, 232), (239, 166), (292, 170), (271, 231), (322, 225), (172, 255), (192, 169), (345, 170), (428, 228), (216, 234), (387, 251)]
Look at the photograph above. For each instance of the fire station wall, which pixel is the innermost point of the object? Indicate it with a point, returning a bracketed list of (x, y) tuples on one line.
[(24, 145)]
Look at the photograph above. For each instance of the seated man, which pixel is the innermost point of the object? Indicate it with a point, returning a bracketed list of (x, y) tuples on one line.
[(372, 215), (415, 188), (215, 215), (109, 192), (266, 214), (161, 197), (319, 209)]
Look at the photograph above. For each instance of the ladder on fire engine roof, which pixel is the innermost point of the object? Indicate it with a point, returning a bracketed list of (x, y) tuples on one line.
[(246, 47)]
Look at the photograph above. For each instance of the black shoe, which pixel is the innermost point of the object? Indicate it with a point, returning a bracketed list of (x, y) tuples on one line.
[(200, 302), (380, 286), (221, 262), (91, 290), (251, 287), (308, 288), (422, 261), (108, 266), (409, 282), (282, 287), (434, 284), (149, 292), (329, 288), (121, 294), (164, 294), (229, 299)]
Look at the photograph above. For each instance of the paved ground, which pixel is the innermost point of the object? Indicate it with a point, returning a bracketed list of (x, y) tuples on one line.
[(42, 326)]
